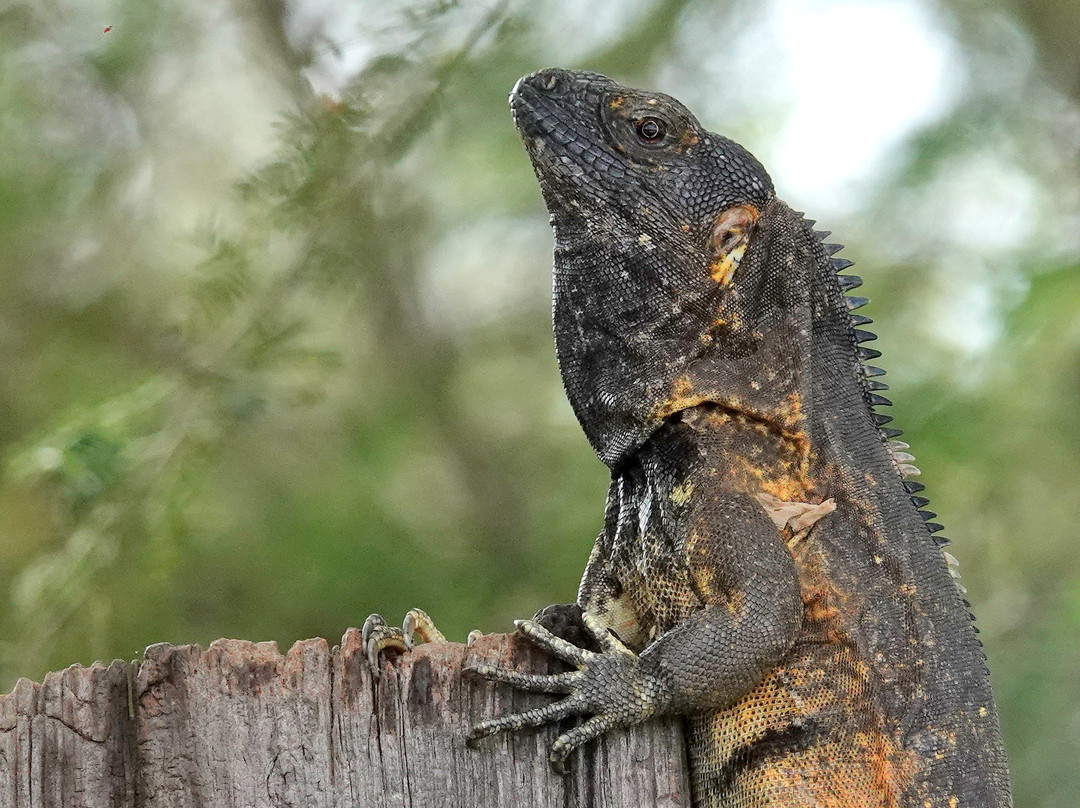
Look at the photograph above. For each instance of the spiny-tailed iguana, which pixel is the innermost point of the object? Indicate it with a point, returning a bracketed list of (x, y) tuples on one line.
[(767, 568)]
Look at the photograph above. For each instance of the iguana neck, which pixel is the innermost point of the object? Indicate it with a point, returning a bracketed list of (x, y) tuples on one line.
[(777, 345)]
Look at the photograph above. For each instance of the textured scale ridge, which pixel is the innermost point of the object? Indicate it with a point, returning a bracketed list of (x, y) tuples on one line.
[(767, 567), (903, 461)]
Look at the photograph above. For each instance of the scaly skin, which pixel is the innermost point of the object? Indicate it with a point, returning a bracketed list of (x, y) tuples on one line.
[(764, 569)]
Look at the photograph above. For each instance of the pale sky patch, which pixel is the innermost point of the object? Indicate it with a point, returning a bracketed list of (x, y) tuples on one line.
[(824, 92), (862, 77)]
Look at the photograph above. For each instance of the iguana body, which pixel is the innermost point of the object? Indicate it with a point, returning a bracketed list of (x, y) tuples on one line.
[(764, 568)]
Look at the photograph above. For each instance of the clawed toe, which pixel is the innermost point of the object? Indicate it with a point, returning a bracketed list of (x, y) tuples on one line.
[(418, 622), (529, 682), (378, 637), (537, 717)]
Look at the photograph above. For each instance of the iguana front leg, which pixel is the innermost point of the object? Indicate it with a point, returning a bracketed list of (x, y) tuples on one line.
[(749, 614)]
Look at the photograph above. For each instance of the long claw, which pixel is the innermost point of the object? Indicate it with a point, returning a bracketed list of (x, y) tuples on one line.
[(417, 621), (531, 718), (531, 683), (377, 636), (373, 660), (571, 740), (373, 621), (556, 645)]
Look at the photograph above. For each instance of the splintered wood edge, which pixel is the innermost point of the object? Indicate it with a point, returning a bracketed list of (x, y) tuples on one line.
[(502, 649)]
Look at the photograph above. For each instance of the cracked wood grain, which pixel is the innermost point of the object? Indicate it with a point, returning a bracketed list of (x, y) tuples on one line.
[(241, 725)]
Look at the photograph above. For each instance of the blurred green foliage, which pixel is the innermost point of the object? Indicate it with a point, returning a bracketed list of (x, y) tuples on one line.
[(278, 357)]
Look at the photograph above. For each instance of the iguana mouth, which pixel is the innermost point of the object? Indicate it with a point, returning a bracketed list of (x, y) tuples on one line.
[(541, 122)]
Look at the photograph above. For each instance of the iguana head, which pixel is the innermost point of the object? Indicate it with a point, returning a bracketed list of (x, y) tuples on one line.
[(596, 142), (679, 277)]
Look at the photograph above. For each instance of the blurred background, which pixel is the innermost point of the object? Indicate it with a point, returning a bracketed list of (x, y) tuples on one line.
[(275, 301)]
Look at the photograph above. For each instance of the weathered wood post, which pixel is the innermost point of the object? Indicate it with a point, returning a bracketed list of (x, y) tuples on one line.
[(240, 725)]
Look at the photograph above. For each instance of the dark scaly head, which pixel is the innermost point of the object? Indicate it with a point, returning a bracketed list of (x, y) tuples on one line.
[(679, 277)]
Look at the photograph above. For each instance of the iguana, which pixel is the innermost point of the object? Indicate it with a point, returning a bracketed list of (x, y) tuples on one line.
[(767, 567)]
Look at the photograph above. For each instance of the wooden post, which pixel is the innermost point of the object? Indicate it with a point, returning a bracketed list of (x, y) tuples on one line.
[(239, 725)]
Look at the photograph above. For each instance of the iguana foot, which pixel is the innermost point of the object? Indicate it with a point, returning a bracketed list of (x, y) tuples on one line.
[(378, 637), (608, 685)]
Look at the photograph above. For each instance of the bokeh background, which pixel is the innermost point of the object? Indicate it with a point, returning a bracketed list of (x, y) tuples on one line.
[(274, 306)]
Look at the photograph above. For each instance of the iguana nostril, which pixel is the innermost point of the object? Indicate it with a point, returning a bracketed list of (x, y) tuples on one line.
[(549, 81)]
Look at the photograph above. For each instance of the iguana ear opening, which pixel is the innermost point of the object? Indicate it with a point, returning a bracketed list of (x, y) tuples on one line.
[(728, 240)]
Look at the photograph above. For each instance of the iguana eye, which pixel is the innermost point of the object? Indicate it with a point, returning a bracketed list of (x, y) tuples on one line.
[(650, 130)]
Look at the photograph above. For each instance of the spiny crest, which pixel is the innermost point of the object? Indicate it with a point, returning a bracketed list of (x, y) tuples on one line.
[(898, 449)]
